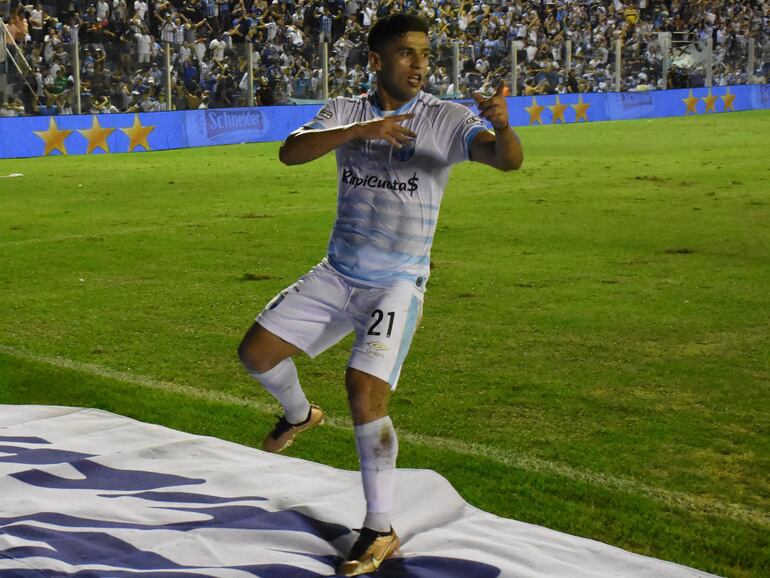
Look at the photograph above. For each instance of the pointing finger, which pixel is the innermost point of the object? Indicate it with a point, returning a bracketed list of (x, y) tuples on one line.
[(485, 106), (402, 116)]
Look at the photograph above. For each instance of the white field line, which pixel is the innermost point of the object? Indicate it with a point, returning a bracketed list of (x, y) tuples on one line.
[(693, 503)]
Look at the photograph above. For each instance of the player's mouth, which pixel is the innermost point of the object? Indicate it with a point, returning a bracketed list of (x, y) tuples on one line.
[(415, 80)]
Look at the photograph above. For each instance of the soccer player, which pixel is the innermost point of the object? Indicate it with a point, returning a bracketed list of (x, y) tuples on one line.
[(395, 148)]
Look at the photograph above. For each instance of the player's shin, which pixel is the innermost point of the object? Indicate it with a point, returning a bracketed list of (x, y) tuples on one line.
[(282, 382), (377, 446)]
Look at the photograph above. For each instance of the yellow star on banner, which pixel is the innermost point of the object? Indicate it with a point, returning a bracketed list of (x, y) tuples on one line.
[(581, 109), (710, 101), (138, 134), (53, 138), (557, 111), (96, 136), (729, 99), (535, 111), (692, 103)]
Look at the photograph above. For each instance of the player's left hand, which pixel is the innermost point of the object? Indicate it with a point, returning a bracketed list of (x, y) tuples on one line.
[(493, 108)]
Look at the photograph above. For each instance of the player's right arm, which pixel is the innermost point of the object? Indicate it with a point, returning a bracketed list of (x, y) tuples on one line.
[(307, 144)]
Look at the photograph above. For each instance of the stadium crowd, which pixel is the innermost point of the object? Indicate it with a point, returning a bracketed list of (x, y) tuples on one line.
[(122, 45)]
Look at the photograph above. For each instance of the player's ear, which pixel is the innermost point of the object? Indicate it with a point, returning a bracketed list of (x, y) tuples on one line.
[(375, 62)]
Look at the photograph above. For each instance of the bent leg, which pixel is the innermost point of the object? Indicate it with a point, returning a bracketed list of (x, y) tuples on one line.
[(307, 316), (376, 443), (261, 350), (267, 358)]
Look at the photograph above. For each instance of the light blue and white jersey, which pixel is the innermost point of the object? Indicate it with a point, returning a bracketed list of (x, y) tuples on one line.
[(389, 198)]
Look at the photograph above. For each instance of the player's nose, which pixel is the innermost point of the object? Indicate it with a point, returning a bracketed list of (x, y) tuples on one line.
[(419, 63)]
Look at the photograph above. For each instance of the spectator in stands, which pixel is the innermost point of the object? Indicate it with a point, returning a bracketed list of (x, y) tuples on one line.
[(217, 48), (140, 9), (285, 35), (224, 15), (369, 13), (119, 11), (324, 25), (143, 45), (438, 81), (9, 107), (35, 21), (57, 89), (18, 27), (149, 101)]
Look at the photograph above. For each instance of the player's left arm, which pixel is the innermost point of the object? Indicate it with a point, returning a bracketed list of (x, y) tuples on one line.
[(501, 150)]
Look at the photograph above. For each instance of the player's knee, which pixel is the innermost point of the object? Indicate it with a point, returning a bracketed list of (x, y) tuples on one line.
[(367, 396), (251, 357)]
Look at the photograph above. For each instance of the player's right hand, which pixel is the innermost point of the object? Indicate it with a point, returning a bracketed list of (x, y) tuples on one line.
[(387, 128)]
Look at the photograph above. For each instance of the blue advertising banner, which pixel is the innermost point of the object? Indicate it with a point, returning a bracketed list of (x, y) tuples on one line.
[(138, 132), (592, 107)]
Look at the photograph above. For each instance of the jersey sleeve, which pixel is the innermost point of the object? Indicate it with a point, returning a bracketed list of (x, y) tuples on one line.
[(462, 126), (327, 117)]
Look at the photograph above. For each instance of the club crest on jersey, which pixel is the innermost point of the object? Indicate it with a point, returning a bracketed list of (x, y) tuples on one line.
[(404, 153)]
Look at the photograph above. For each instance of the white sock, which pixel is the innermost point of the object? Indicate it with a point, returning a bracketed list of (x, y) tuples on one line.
[(283, 383), (377, 446)]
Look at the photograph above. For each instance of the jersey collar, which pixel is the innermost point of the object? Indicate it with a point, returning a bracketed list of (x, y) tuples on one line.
[(372, 98)]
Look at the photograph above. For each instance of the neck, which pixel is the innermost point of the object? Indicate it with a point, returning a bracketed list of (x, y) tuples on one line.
[(386, 101)]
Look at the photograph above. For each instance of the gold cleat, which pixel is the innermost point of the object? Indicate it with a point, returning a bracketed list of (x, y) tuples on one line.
[(283, 433), (369, 551)]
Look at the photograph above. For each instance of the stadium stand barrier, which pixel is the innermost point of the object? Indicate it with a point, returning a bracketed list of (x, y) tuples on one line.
[(135, 132), (84, 67)]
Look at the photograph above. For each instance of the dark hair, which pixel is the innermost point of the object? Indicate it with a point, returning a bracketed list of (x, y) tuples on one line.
[(392, 26)]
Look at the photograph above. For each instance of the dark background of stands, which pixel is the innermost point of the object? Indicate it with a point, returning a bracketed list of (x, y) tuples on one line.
[(122, 43)]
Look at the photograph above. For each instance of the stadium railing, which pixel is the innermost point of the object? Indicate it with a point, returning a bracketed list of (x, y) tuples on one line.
[(675, 65)]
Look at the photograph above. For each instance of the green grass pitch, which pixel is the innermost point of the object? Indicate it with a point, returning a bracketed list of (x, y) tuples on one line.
[(595, 350)]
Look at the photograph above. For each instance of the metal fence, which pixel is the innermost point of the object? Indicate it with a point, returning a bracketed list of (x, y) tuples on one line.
[(97, 77)]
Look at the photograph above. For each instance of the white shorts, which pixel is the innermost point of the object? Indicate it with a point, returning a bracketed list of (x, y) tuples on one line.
[(322, 307)]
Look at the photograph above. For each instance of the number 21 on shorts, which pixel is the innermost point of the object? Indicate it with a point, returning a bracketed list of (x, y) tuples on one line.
[(378, 315)]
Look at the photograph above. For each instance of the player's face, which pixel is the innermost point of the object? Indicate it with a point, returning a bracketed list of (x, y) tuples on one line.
[(401, 66)]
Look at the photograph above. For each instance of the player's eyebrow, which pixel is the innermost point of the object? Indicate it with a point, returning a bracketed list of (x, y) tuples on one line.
[(413, 49)]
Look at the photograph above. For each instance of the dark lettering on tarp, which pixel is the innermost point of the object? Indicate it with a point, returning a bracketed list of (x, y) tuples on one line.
[(79, 541), (22, 440), (99, 477), (39, 456), (185, 497)]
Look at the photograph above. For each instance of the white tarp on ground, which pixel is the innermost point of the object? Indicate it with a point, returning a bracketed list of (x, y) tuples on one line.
[(91, 494)]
